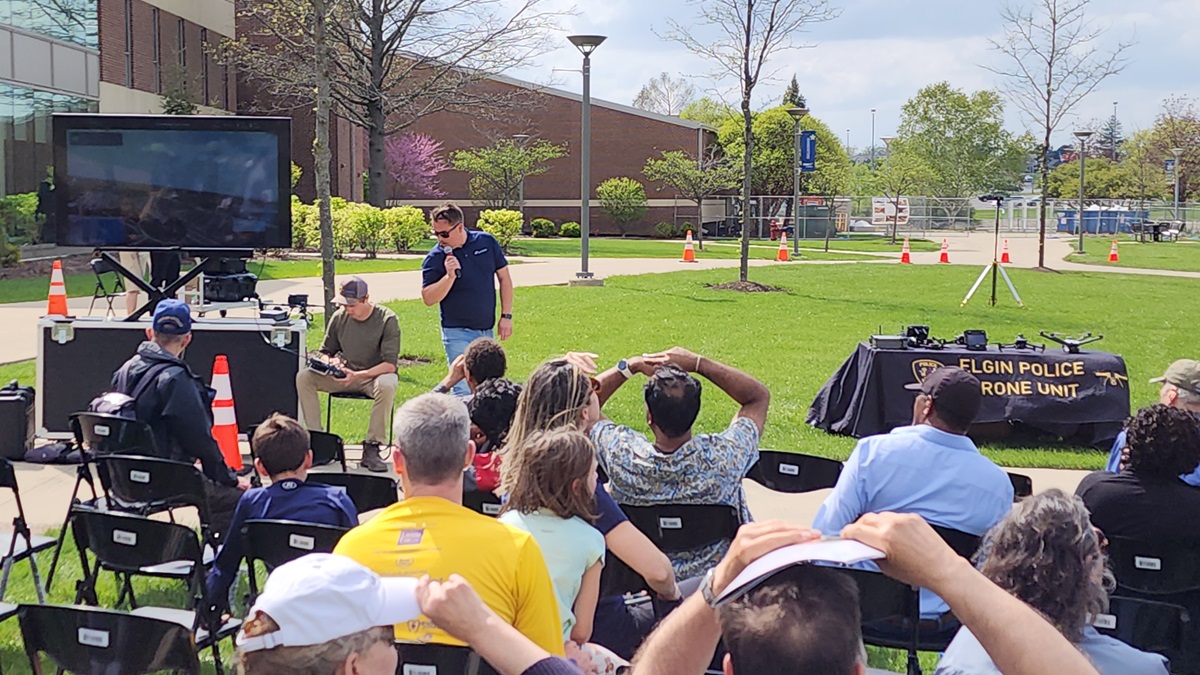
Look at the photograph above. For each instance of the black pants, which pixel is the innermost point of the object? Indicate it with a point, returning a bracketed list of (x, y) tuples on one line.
[(222, 500)]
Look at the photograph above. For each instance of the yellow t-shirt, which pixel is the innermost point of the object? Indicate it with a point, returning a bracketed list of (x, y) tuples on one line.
[(430, 535)]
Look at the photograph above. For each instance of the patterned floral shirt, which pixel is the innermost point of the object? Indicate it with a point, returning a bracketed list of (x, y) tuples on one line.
[(708, 469)]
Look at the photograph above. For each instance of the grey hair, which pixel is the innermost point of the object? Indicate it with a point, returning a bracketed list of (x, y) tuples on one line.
[(1187, 399), (432, 432), (1046, 553)]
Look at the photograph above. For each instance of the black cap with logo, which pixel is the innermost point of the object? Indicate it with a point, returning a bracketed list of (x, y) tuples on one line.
[(952, 390)]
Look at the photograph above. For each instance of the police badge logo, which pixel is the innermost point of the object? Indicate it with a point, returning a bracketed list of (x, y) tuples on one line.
[(921, 368)]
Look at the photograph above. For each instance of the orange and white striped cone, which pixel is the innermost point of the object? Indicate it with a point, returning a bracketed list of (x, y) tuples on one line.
[(689, 249), (1113, 256), (905, 254), (1004, 258), (225, 429), (945, 256), (782, 255), (56, 304)]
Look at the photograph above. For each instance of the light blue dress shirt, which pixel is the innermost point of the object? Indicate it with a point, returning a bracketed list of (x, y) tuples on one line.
[(1114, 462), (919, 469), (1110, 656)]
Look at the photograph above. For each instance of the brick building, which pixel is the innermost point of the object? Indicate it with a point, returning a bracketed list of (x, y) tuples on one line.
[(623, 138), (110, 56)]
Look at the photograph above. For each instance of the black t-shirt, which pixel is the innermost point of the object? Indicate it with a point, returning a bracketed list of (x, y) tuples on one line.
[(1150, 509)]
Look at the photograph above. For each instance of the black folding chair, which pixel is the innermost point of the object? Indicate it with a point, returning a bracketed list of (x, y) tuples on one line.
[(963, 543), (98, 434), (1022, 485), (1151, 626), (434, 659), (148, 485), (18, 544), (684, 527), (107, 291), (1163, 571), (327, 448), (367, 492), (91, 640), (275, 542), (131, 545), (793, 473), (482, 501), (350, 396)]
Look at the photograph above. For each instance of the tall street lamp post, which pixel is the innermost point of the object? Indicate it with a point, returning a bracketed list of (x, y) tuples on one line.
[(1178, 152), (872, 139), (586, 44), (1083, 137), (887, 142), (797, 114), (521, 140)]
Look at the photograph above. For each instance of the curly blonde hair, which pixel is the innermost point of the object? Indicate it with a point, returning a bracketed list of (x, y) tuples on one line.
[(554, 397), (1046, 553), (322, 659)]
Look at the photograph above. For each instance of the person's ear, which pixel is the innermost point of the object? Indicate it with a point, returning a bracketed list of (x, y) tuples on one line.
[(187, 340), (307, 463), (398, 460), (860, 669), (149, 333), (470, 455), (258, 466), (727, 664), (1171, 396)]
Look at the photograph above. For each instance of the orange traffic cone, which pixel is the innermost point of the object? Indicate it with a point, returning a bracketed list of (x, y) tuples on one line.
[(782, 256), (945, 256), (1113, 256), (905, 254), (225, 429), (1004, 259), (57, 302), (689, 249)]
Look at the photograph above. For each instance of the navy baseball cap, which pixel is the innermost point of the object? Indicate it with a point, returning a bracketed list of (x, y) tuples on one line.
[(172, 317), (952, 389), (353, 290)]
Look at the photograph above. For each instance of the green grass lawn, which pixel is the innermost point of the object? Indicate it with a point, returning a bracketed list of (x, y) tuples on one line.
[(794, 341), (1182, 256)]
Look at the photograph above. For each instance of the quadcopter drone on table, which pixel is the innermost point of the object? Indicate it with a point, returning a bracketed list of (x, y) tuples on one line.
[(1071, 345)]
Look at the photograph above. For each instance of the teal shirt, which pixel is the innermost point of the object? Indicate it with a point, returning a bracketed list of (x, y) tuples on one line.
[(570, 546)]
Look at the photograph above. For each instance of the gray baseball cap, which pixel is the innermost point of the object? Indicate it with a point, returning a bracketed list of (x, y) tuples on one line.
[(1184, 373)]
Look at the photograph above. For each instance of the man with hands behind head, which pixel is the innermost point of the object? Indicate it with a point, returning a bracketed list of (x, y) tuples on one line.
[(363, 340)]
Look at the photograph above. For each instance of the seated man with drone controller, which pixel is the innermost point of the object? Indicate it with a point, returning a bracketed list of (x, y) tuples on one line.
[(359, 354)]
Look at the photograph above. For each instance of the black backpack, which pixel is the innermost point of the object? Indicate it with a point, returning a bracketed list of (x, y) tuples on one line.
[(121, 401)]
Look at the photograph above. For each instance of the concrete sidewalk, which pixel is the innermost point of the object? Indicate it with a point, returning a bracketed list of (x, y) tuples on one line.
[(46, 491)]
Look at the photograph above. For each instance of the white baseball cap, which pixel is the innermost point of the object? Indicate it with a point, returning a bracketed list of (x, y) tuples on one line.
[(322, 597)]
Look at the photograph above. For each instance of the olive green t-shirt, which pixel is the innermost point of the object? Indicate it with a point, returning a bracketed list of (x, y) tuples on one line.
[(364, 344)]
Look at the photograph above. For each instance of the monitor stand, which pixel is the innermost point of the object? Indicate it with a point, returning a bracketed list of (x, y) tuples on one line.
[(154, 295)]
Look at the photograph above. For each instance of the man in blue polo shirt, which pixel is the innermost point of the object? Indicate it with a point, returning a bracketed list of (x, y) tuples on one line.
[(458, 273), (931, 469), (281, 449)]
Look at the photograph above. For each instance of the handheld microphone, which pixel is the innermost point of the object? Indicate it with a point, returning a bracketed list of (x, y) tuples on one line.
[(448, 251)]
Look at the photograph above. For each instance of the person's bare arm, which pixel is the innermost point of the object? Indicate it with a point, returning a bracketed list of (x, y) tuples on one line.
[(456, 608), (456, 374), (641, 555), (1019, 640), (438, 290), (612, 379), (505, 326), (752, 395), (585, 604), (684, 642)]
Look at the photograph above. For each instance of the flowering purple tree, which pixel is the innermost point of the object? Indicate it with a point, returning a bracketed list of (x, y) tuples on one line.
[(414, 162)]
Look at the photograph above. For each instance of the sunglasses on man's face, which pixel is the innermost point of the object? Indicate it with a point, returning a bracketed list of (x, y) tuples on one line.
[(446, 234), (594, 384)]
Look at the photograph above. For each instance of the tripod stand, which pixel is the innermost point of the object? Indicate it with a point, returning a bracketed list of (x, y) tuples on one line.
[(994, 267)]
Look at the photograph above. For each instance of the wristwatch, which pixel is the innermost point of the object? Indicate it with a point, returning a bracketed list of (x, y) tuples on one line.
[(623, 368), (706, 589), (506, 316)]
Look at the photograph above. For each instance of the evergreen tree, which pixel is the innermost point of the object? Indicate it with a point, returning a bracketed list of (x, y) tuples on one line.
[(1109, 140), (792, 96)]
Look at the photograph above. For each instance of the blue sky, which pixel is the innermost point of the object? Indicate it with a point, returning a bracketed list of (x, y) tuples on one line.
[(878, 53)]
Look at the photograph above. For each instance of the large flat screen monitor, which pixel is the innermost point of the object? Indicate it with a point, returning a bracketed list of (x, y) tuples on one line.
[(172, 182)]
